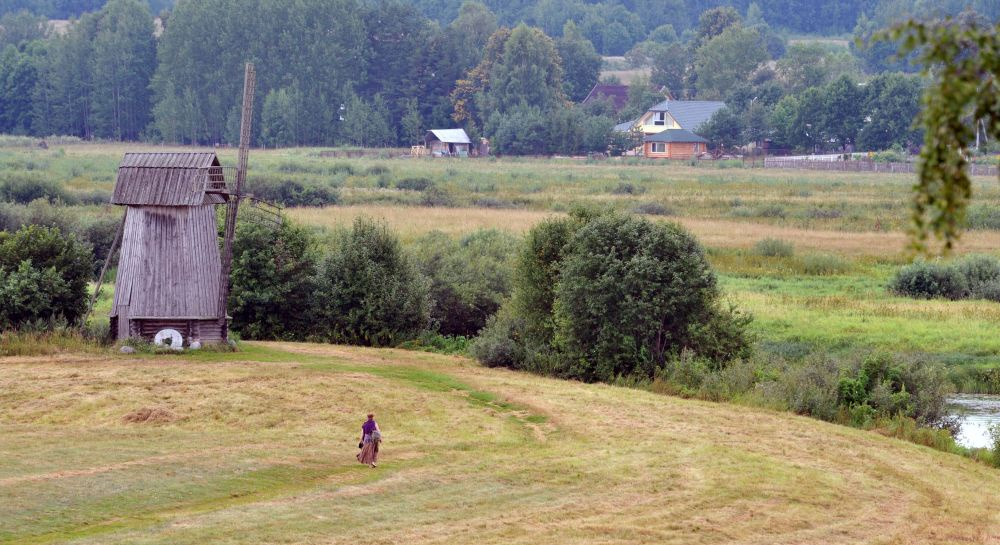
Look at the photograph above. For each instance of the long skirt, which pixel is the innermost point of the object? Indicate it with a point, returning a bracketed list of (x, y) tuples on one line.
[(369, 452)]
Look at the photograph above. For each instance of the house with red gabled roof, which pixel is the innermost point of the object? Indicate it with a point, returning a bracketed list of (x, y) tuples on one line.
[(617, 93)]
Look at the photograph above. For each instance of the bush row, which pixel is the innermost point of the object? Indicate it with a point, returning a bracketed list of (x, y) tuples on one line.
[(972, 277), (858, 391), (96, 231), (364, 288), (25, 187)]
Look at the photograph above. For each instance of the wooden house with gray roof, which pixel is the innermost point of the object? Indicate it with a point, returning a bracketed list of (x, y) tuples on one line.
[(170, 267), (670, 128)]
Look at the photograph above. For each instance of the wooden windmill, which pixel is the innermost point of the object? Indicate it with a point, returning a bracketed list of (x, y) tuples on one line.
[(172, 281)]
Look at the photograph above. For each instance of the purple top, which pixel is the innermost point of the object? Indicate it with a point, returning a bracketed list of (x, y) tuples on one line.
[(368, 427)]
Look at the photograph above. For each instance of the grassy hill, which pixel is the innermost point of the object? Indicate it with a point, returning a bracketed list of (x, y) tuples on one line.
[(258, 446)]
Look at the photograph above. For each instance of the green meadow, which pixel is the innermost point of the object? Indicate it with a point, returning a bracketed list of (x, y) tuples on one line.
[(845, 232)]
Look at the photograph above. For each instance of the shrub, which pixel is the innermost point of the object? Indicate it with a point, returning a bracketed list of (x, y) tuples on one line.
[(23, 188), (436, 196), (96, 197), (273, 282), (370, 292), (631, 294), (500, 343), (291, 192), (882, 386), (824, 265), (923, 280), (43, 276), (774, 247), (520, 335), (345, 168), (824, 213), (771, 211), (11, 216), (100, 233), (469, 278), (493, 202), (810, 388), (430, 341), (628, 188), (377, 170), (536, 274), (414, 184), (982, 275), (983, 217), (652, 209)]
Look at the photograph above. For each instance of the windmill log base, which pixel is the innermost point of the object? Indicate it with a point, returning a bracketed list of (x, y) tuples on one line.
[(206, 331)]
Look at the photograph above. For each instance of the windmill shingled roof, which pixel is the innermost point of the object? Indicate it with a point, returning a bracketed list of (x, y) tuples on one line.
[(164, 179), (689, 114), (169, 160)]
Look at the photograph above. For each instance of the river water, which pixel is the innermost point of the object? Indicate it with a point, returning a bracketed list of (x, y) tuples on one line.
[(978, 413)]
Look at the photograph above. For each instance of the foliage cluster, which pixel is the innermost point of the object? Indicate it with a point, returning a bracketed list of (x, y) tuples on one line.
[(972, 277), (597, 297), (366, 290), (364, 287), (43, 277), (469, 278), (864, 392), (96, 232), (294, 192)]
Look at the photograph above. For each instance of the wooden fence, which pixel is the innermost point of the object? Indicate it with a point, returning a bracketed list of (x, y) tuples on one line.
[(864, 166)]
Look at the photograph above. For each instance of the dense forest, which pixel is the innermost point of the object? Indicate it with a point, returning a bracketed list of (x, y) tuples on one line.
[(619, 24), (379, 73)]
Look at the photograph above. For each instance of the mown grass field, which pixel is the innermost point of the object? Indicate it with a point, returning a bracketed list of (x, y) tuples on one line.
[(847, 229), (258, 446)]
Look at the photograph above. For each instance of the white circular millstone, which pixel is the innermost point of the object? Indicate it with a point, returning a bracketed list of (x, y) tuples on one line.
[(195, 345), (127, 350), (169, 338)]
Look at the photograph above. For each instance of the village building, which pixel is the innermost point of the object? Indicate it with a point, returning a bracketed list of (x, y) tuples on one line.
[(670, 129), (674, 144), (618, 94), (447, 143)]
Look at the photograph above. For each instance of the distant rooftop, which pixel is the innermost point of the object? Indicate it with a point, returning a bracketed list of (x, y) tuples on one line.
[(451, 136), (617, 93), (675, 136), (689, 114)]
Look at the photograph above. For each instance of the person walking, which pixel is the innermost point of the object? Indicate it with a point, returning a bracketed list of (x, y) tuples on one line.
[(371, 436)]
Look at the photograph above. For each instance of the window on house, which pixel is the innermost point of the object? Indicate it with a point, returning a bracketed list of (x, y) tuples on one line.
[(659, 147), (660, 118)]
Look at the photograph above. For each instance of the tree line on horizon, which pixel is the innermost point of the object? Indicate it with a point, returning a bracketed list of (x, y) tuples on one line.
[(615, 26), (348, 72)]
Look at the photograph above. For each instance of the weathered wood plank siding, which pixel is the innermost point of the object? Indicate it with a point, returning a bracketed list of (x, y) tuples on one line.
[(169, 264)]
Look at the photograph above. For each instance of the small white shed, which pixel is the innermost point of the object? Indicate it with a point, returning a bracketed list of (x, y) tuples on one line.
[(447, 142)]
